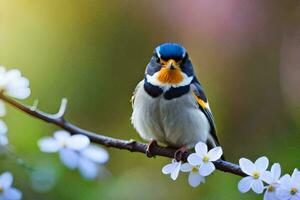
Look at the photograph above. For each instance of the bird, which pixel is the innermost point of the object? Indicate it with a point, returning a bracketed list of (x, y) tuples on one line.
[(169, 103)]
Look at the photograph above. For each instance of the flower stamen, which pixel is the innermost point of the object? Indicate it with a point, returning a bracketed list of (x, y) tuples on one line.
[(205, 159), (256, 175), (294, 191), (195, 170), (63, 144), (271, 188)]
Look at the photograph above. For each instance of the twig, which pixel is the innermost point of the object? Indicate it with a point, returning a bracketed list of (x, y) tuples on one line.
[(133, 146), (34, 105)]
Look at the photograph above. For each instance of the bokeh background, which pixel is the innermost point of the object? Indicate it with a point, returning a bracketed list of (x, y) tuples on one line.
[(246, 54)]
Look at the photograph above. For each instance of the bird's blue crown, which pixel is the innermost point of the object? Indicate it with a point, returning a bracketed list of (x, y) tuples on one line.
[(170, 51)]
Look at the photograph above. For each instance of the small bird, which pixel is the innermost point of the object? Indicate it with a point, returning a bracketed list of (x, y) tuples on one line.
[(169, 104)]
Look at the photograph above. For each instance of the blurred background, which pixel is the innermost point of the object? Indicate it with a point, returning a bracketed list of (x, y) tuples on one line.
[(246, 54)]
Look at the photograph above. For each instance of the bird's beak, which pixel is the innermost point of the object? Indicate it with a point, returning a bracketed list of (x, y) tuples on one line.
[(171, 64)]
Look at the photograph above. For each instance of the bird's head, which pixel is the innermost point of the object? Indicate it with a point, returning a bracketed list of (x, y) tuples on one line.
[(169, 67)]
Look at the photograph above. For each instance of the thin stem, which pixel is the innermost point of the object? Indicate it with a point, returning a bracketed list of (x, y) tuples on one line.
[(133, 146)]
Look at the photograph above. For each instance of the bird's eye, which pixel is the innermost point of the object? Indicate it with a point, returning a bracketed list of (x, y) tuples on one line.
[(156, 58)]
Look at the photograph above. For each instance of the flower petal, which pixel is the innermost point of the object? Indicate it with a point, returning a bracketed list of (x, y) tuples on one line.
[(6, 180), (267, 177), (20, 93), (295, 179), (13, 74), (206, 169), (3, 128), (48, 145), (262, 163), (245, 184), (95, 154), (12, 194), (283, 194), (247, 166), (295, 197), (19, 83), (257, 186), (175, 172), (270, 195), (285, 182), (195, 179), (215, 154), (88, 169), (276, 171), (62, 135), (201, 149), (78, 142), (194, 159), (69, 158), (3, 140), (167, 169), (186, 167)]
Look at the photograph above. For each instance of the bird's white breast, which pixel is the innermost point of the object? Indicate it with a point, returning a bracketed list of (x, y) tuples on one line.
[(176, 122)]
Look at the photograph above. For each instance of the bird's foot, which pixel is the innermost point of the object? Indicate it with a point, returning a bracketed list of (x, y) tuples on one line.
[(149, 151), (179, 153)]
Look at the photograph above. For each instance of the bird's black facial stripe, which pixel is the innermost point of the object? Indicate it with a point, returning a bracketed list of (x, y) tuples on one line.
[(176, 92), (152, 90)]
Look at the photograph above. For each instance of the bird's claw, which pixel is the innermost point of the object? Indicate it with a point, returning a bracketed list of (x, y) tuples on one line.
[(150, 146), (179, 153)]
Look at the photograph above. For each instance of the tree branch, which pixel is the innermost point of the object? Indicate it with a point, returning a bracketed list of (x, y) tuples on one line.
[(133, 146)]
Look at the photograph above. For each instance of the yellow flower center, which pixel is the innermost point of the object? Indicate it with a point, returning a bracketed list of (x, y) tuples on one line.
[(195, 170), (294, 191), (271, 188), (205, 159), (256, 175), (63, 144)]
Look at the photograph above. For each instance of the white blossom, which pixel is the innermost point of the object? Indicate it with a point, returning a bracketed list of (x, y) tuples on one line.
[(256, 174), (13, 84), (90, 160), (3, 132), (7, 192), (195, 177), (204, 158), (273, 182), (289, 187), (67, 145), (75, 152), (172, 169)]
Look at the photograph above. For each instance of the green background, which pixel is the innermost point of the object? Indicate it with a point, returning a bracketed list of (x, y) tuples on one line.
[(245, 53)]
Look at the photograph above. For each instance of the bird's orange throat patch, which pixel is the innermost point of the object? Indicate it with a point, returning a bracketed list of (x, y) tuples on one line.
[(170, 76)]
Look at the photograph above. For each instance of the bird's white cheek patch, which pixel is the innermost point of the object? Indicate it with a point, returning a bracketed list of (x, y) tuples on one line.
[(166, 81)]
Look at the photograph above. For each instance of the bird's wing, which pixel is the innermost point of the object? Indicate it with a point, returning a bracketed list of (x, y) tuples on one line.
[(204, 106), (140, 84)]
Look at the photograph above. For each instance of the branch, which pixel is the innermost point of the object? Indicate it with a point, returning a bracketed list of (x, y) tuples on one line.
[(133, 146)]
